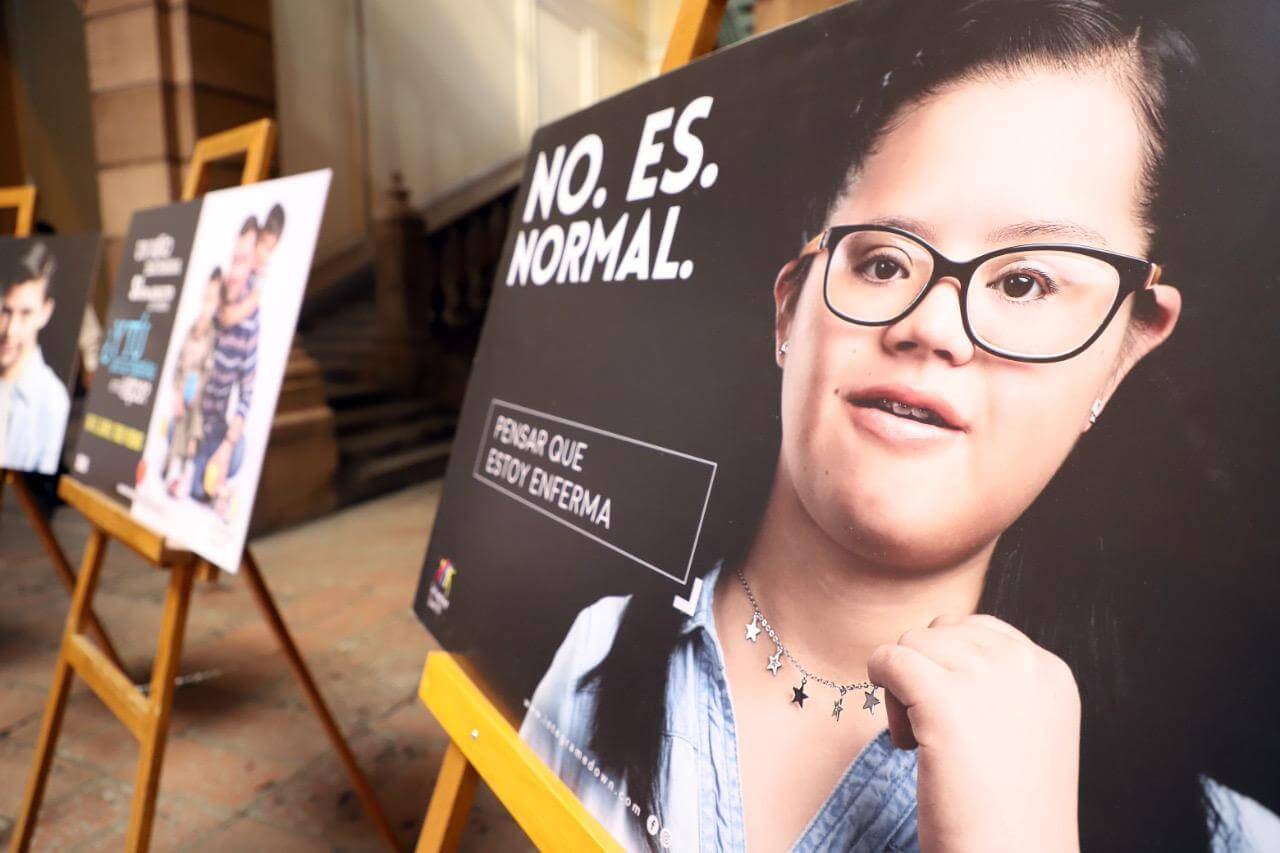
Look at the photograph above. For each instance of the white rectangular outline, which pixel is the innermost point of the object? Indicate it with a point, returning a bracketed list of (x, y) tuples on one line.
[(475, 472)]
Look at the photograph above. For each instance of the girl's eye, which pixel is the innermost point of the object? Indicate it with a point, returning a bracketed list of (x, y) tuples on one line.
[(1022, 286), (882, 269)]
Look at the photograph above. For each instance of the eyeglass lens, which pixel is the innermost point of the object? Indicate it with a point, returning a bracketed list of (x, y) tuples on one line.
[(1027, 302)]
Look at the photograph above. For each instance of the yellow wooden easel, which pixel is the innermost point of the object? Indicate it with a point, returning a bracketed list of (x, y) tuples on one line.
[(23, 199), (482, 744), (147, 716)]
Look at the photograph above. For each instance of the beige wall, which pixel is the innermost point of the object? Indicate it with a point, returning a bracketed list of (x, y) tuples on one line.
[(452, 90), (319, 107)]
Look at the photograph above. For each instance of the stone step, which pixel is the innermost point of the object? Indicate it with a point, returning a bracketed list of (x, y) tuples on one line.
[(368, 416), (383, 439), (345, 395), (394, 471)]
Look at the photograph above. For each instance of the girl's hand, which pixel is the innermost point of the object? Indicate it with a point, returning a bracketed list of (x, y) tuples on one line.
[(996, 719)]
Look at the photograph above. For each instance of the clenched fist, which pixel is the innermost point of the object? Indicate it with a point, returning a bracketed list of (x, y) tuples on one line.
[(996, 720)]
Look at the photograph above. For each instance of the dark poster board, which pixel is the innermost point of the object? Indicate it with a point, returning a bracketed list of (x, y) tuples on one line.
[(629, 414), (135, 338)]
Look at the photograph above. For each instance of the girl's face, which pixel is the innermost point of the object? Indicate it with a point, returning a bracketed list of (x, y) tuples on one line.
[(212, 297), (1044, 156)]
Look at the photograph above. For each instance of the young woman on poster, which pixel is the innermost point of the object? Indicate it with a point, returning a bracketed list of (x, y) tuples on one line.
[(979, 289)]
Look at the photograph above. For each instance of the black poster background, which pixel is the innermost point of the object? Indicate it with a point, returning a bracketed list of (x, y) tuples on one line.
[(1188, 444), (77, 262), (103, 464)]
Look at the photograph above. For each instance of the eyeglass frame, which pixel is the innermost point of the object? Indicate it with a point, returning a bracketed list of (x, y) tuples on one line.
[(1136, 274)]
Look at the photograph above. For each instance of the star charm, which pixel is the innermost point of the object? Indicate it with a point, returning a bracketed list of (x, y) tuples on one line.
[(753, 630), (798, 695), (835, 712), (870, 703), (775, 662)]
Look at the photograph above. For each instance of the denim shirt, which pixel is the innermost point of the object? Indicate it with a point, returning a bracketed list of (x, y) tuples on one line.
[(38, 411), (872, 808)]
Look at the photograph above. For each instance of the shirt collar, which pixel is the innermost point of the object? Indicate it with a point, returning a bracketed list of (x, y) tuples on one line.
[(28, 380), (705, 588)]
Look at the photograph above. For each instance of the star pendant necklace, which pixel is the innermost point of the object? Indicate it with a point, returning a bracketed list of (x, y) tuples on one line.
[(760, 624)]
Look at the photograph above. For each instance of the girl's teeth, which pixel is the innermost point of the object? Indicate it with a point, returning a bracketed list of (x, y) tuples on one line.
[(905, 411)]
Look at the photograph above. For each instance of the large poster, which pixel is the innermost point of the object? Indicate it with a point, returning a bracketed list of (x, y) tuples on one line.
[(871, 442), (44, 282), (197, 339)]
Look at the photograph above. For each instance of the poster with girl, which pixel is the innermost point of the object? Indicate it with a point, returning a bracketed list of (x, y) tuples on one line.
[(871, 444)]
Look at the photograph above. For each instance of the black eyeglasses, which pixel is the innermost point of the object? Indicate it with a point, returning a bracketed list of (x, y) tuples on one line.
[(1039, 302)]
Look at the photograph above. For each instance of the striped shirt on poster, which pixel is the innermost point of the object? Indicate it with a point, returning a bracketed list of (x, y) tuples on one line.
[(235, 364)]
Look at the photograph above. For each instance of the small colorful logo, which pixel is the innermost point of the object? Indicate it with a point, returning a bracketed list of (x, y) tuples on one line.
[(441, 587)]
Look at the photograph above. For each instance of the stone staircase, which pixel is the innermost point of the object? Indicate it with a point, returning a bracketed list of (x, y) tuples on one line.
[(394, 339)]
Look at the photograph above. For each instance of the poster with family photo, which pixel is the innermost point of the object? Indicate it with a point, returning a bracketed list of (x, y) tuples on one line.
[(44, 284), (227, 275), (871, 443)]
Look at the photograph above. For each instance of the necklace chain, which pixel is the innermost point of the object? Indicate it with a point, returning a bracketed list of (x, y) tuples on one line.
[(805, 674)]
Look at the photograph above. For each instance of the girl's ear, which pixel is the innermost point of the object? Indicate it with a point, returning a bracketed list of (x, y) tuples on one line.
[(786, 287), (1146, 332)]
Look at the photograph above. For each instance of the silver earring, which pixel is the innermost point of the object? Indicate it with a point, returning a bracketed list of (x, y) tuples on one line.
[(1094, 411), (782, 350)]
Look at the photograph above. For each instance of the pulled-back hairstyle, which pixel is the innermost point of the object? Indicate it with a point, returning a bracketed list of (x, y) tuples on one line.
[(994, 39), (36, 264), (1051, 583)]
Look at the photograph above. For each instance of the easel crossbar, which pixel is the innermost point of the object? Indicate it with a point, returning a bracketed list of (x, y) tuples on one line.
[(111, 685), (114, 520)]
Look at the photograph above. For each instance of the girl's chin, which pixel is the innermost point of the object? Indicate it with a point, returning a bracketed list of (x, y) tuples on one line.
[(904, 539)]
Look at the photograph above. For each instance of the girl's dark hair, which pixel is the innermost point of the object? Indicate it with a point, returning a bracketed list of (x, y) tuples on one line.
[(1054, 572)]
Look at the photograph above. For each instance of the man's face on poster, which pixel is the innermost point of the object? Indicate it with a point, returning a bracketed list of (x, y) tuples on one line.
[(25, 309)]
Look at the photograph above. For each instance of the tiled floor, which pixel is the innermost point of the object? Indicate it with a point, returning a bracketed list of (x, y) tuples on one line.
[(247, 765)]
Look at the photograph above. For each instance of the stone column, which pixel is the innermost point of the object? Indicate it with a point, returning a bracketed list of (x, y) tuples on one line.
[(404, 310), (162, 74)]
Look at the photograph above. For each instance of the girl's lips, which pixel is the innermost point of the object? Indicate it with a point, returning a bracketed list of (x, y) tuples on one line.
[(899, 431), (941, 414)]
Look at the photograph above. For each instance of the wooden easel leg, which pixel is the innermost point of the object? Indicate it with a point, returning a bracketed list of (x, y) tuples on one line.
[(450, 803), (60, 563), (262, 596), (168, 653), (51, 725), (694, 34)]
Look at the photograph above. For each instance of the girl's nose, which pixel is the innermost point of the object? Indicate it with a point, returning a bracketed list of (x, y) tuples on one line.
[(934, 327)]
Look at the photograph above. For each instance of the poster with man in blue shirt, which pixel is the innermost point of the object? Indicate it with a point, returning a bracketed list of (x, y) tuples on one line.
[(43, 285)]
